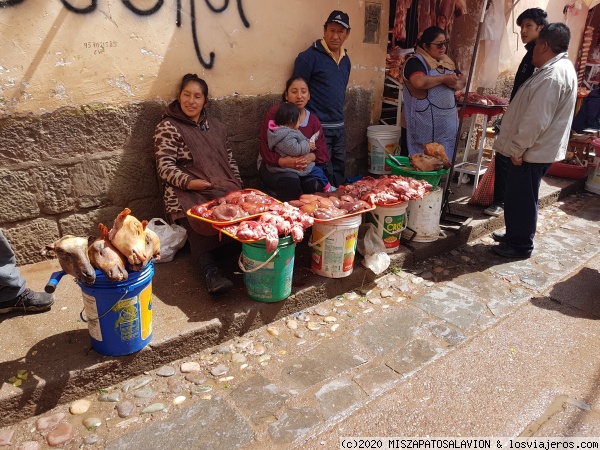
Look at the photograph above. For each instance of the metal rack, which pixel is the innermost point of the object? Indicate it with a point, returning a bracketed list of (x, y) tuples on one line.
[(478, 168), (391, 103)]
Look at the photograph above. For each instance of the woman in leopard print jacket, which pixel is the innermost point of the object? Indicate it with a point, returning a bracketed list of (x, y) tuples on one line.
[(195, 163)]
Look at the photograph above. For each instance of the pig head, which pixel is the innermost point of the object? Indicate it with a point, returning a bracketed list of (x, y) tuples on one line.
[(152, 247), (105, 257), (72, 253), (127, 235)]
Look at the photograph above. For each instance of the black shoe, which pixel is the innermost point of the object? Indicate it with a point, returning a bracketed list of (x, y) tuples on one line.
[(28, 301), (216, 282), (510, 252), (498, 236)]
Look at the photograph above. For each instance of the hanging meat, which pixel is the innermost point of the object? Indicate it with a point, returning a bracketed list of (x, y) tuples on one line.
[(451, 9), (426, 14), (400, 19)]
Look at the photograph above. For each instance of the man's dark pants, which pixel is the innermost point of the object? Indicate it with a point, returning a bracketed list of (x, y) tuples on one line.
[(521, 203), (501, 164), (335, 138)]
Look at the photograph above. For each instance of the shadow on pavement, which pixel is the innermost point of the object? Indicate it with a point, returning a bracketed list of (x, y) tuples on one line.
[(580, 293), (43, 363)]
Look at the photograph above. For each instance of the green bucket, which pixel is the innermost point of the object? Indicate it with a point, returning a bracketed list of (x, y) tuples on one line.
[(268, 276)]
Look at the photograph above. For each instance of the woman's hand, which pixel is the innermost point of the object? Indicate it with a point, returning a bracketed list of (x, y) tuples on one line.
[(297, 162), (516, 161), (451, 80), (199, 185)]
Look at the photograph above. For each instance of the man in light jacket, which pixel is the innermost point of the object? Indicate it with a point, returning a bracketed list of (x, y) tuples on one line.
[(535, 133)]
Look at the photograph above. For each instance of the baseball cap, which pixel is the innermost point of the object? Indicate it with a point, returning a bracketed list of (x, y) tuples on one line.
[(339, 17)]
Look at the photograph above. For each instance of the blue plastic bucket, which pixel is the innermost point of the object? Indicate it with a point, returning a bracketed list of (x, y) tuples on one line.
[(119, 314)]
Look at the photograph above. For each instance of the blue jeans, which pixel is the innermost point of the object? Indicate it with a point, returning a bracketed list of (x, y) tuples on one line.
[(335, 170), (521, 203), (319, 173), (11, 283)]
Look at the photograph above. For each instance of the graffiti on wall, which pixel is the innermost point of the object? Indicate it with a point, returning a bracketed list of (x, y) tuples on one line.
[(207, 64)]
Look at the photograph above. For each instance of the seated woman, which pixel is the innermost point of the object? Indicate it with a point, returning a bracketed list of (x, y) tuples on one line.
[(195, 163), (589, 113), (430, 80), (289, 185)]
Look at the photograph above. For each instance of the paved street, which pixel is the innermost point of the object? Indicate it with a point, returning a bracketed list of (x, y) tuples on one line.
[(463, 344)]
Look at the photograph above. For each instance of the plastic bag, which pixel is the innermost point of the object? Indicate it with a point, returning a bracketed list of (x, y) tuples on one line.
[(484, 194), (373, 250), (172, 238)]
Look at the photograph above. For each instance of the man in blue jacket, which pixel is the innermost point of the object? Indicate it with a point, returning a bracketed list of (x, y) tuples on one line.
[(325, 66)]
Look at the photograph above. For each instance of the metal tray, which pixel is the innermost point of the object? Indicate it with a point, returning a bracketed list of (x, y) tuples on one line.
[(477, 105)]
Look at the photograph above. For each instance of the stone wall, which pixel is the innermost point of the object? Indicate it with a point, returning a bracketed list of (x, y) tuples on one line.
[(66, 171)]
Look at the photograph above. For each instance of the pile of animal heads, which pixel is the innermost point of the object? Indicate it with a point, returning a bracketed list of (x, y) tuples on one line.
[(128, 246)]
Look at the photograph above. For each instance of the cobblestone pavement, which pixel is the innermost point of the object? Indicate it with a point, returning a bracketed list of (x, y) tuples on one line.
[(446, 348)]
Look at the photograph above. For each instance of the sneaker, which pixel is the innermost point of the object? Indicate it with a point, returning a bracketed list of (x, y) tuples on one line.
[(216, 282), (494, 210), (28, 301), (498, 236)]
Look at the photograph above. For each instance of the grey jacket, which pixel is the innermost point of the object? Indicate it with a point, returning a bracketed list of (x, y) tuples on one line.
[(288, 142), (537, 122)]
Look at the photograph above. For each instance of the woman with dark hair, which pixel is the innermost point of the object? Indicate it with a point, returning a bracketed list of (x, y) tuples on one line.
[(430, 80), (195, 163), (289, 185)]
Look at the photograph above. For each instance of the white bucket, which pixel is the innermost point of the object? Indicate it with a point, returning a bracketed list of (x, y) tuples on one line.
[(423, 217), (383, 141), (593, 180), (334, 246), (390, 221)]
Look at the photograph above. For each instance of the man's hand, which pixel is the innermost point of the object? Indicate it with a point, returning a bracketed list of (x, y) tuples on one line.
[(516, 161)]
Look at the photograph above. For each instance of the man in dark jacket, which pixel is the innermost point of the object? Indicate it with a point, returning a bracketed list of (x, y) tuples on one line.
[(325, 66), (531, 21)]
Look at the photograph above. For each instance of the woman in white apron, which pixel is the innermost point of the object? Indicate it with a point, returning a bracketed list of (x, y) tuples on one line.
[(430, 80)]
